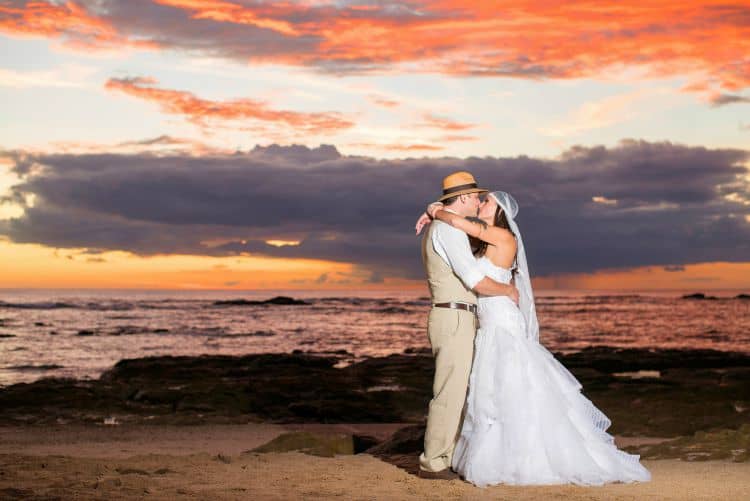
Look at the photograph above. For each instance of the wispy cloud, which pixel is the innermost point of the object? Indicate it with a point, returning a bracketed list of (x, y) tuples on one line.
[(385, 102), (405, 147), (205, 113), (431, 120), (605, 112), (456, 138), (161, 145)]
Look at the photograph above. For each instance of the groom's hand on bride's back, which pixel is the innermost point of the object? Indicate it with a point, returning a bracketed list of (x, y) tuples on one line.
[(489, 287), (513, 293)]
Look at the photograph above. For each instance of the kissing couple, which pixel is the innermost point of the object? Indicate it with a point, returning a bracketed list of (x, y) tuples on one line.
[(504, 410)]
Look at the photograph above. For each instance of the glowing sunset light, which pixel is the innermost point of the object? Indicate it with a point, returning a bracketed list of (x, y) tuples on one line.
[(230, 144)]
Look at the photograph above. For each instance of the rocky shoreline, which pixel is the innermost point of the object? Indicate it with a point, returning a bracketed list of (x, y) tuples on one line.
[(654, 393)]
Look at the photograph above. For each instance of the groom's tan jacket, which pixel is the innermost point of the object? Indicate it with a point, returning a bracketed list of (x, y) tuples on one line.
[(451, 333)]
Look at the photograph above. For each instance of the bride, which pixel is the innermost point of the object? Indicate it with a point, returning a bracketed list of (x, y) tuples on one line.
[(525, 420)]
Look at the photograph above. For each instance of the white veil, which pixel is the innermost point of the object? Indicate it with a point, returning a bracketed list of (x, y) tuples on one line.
[(522, 278)]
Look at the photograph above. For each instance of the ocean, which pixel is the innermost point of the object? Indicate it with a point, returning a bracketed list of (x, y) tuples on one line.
[(81, 333)]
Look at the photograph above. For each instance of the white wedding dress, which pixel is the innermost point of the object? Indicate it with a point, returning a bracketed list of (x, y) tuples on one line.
[(526, 421)]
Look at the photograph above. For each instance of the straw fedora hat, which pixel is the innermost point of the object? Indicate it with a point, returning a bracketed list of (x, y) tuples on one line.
[(459, 183)]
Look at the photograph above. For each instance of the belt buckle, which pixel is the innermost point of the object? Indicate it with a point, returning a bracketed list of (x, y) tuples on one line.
[(471, 308)]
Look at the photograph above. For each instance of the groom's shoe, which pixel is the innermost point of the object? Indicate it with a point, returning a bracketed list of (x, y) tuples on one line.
[(446, 474)]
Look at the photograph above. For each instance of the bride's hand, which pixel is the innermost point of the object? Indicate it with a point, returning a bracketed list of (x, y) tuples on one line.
[(433, 208), (423, 220)]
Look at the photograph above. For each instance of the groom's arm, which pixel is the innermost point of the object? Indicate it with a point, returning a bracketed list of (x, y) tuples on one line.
[(453, 246), (489, 287)]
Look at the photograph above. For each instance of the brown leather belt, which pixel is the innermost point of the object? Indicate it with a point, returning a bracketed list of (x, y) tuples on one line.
[(457, 306)]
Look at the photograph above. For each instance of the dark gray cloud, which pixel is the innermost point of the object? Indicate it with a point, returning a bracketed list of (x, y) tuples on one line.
[(725, 99), (177, 28), (674, 268), (638, 203)]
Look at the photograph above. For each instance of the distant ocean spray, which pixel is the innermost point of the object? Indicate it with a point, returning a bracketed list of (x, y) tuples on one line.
[(81, 333)]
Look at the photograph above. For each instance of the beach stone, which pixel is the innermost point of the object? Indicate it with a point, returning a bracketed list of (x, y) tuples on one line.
[(315, 444), (408, 440), (364, 442), (724, 444), (13, 493)]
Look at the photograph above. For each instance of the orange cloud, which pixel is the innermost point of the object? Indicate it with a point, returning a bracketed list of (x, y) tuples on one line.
[(433, 121), (202, 111), (398, 146), (705, 41), (218, 10), (457, 137), (384, 102), (70, 21)]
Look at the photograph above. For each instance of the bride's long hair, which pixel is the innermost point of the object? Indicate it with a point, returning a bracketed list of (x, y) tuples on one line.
[(479, 247)]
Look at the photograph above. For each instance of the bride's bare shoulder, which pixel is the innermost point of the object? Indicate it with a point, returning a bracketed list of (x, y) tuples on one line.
[(501, 236)]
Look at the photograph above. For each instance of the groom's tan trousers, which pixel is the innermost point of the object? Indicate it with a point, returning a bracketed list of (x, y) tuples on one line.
[(451, 334)]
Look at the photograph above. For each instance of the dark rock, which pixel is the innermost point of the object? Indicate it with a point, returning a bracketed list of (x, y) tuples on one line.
[(713, 445), (699, 296), (253, 334), (31, 367), (126, 330), (278, 300), (402, 449), (13, 493), (742, 296), (85, 332), (5, 336), (131, 471), (363, 442), (408, 440), (392, 310), (315, 444), (697, 390)]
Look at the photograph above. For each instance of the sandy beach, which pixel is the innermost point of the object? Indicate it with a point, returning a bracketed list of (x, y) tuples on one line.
[(213, 462), (296, 426)]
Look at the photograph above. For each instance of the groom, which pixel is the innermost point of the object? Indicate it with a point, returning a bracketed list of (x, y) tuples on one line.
[(454, 279)]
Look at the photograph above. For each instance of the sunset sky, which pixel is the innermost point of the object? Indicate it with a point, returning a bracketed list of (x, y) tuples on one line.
[(281, 145)]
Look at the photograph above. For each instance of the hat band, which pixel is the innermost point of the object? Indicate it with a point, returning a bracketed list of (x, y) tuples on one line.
[(454, 189)]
